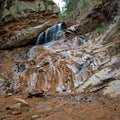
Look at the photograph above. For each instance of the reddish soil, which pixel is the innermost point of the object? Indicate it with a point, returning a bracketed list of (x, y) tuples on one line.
[(63, 107)]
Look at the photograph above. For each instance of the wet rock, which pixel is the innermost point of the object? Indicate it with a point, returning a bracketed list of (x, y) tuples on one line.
[(51, 34), (67, 65)]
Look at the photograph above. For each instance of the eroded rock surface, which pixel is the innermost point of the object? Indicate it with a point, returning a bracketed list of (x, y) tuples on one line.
[(70, 78), (72, 64), (21, 21), (98, 12)]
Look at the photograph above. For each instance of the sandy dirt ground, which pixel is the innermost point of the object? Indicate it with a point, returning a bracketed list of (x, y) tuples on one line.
[(61, 107)]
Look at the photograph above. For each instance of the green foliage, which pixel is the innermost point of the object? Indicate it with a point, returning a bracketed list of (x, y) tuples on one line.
[(101, 29), (62, 16), (71, 5), (85, 3)]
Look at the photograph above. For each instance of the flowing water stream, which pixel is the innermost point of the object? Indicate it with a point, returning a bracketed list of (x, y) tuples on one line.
[(60, 64), (56, 65), (50, 35)]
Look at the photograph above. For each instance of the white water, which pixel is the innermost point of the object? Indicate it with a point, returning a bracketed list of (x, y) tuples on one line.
[(39, 38), (50, 35)]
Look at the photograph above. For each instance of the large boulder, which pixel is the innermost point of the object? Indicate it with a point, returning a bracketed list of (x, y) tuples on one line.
[(22, 20)]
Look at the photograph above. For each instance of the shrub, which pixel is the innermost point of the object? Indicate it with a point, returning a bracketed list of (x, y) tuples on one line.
[(101, 29)]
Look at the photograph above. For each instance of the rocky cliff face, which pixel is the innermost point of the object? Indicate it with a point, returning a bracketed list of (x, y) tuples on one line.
[(63, 76), (73, 77), (83, 64), (102, 11), (79, 59), (22, 20), (95, 13)]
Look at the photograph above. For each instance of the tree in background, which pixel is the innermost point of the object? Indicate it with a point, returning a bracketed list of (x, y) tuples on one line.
[(72, 5)]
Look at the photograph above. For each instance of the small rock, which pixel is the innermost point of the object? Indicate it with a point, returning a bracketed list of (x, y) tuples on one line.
[(15, 106), (9, 94), (36, 94), (18, 106), (34, 117), (15, 109), (23, 102), (16, 112), (9, 90), (4, 117)]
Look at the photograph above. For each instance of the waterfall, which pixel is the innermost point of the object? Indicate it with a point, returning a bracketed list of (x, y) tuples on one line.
[(51, 34), (40, 38)]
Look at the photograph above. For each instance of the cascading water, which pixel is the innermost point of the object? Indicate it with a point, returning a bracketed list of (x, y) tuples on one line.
[(40, 38), (48, 69), (51, 34)]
